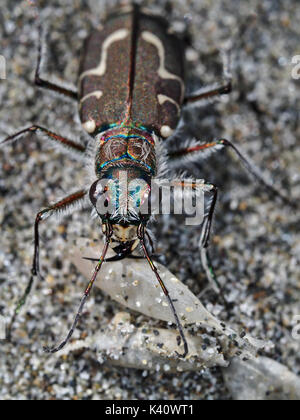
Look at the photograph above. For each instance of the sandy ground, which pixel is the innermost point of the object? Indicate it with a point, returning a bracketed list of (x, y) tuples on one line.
[(256, 243)]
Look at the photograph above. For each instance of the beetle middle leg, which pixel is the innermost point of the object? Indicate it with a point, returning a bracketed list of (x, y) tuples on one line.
[(209, 210), (195, 152), (67, 204)]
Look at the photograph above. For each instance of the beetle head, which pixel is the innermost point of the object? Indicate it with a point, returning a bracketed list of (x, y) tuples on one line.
[(121, 199)]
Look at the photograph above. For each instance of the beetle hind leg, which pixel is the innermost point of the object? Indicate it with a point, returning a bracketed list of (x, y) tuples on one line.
[(45, 84), (208, 93), (212, 92)]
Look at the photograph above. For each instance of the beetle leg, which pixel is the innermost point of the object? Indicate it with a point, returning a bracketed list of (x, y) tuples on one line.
[(52, 350), (195, 152), (204, 241), (44, 84), (62, 141), (141, 235), (120, 258), (116, 258), (66, 204), (208, 93)]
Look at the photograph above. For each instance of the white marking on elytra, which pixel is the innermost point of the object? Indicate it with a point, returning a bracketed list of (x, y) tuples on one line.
[(101, 69), (166, 131), (89, 126), (162, 71), (98, 94), (163, 98)]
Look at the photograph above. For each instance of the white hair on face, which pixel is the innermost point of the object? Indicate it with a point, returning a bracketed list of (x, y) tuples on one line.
[(129, 217)]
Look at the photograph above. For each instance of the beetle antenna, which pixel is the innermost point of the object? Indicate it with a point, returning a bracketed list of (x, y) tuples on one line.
[(141, 235), (109, 233)]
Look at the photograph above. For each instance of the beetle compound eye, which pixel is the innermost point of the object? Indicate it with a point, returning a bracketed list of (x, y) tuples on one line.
[(92, 193), (99, 196), (100, 190)]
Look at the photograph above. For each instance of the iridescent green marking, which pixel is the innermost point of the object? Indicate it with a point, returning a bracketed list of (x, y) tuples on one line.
[(108, 127), (127, 137)]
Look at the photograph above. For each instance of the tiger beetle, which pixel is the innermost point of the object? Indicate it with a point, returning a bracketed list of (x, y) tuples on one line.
[(131, 95)]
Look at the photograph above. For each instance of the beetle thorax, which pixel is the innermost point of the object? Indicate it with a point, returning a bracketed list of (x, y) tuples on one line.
[(126, 146)]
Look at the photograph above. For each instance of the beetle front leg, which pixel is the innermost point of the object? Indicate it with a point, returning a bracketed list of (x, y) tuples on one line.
[(205, 239), (63, 205), (209, 210), (44, 84)]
